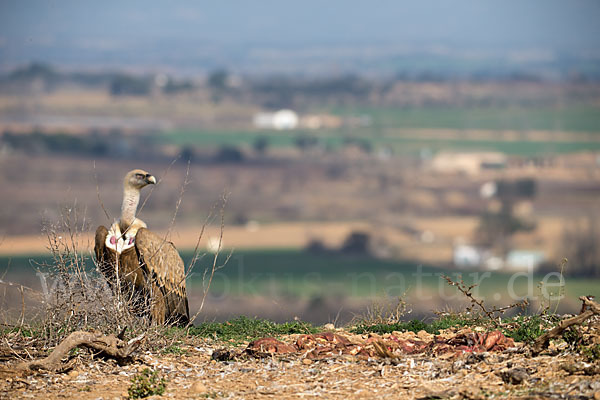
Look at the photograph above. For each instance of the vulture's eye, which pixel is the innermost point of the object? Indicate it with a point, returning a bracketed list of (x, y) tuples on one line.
[(139, 176)]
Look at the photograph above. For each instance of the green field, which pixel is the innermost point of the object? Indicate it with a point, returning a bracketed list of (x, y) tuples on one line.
[(389, 127), (295, 273), (333, 140), (566, 119)]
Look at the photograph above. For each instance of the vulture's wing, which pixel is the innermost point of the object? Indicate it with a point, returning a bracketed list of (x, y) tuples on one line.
[(166, 269), (104, 258), (101, 233)]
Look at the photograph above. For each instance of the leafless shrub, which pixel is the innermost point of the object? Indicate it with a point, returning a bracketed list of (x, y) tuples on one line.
[(493, 313), (388, 310), (11, 317), (77, 296)]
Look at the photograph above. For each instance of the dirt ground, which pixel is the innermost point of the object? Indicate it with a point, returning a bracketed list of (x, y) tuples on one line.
[(508, 371)]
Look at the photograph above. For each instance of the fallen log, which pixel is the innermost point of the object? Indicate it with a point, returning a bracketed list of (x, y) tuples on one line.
[(589, 308), (108, 345)]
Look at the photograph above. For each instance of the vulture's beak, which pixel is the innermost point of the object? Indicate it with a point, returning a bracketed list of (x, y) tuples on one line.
[(150, 179)]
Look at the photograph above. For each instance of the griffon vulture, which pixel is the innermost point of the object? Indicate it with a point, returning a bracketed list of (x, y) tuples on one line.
[(148, 267)]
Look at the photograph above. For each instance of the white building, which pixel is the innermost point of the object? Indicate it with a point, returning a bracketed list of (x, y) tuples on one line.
[(278, 120)]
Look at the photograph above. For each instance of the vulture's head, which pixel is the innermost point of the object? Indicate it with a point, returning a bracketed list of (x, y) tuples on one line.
[(138, 178)]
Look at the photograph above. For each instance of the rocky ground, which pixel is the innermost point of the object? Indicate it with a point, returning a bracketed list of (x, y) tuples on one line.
[(457, 363)]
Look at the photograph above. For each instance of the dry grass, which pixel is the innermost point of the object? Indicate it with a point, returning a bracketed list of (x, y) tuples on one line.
[(386, 310)]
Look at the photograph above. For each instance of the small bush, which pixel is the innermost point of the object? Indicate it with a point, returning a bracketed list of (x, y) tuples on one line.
[(591, 353), (528, 328), (383, 312), (173, 349), (146, 383), (572, 336)]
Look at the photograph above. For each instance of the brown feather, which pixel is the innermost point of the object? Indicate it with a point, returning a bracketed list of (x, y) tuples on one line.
[(166, 268)]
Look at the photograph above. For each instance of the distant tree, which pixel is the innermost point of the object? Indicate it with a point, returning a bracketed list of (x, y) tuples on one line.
[(363, 144), (188, 154), (127, 85), (35, 70), (218, 79), (260, 145), (316, 246), (173, 86), (356, 243), (229, 154), (495, 228), (305, 142)]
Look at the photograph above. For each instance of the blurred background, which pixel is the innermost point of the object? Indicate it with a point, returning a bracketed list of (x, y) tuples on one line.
[(366, 148)]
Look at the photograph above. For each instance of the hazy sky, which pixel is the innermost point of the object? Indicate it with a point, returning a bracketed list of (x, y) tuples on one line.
[(63, 30)]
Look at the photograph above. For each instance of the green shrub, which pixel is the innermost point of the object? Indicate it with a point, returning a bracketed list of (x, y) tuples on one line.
[(173, 349), (528, 328), (146, 383), (591, 353)]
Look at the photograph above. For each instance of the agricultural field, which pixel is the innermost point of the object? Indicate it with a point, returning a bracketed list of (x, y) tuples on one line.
[(402, 141), (295, 280), (523, 131), (523, 118)]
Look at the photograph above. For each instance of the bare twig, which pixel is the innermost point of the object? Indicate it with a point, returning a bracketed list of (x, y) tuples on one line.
[(98, 193), (215, 266), (22, 307), (165, 240), (468, 292), (7, 283)]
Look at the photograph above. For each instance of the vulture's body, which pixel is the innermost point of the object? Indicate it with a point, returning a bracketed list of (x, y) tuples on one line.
[(145, 266)]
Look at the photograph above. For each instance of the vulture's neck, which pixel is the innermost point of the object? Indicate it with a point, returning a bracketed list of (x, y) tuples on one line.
[(131, 198)]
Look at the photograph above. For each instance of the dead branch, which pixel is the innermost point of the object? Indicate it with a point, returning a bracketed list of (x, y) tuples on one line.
[(491, 314), (109, 346), (466, 290), (589, 308)]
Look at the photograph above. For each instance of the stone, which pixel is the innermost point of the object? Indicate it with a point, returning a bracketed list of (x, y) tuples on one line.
[(199, 387)]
